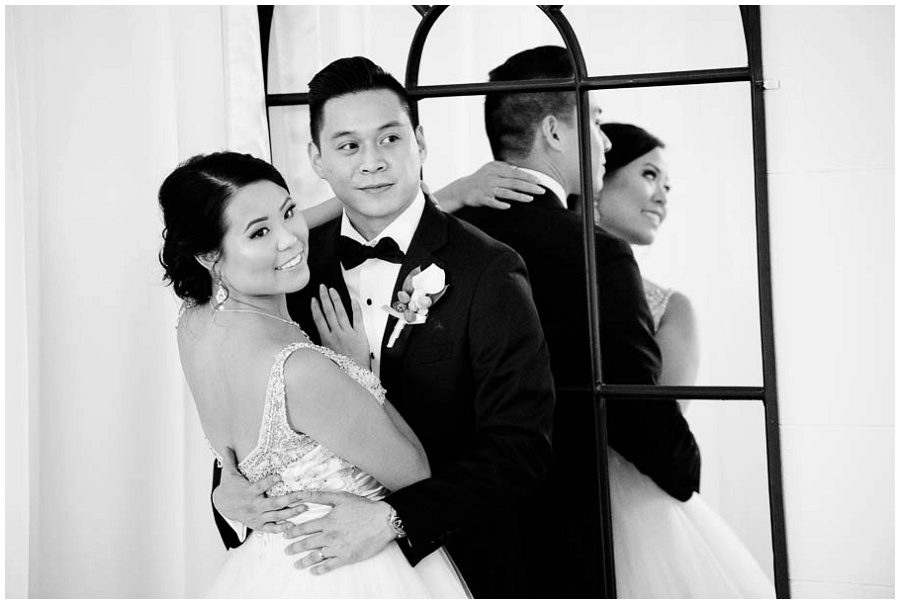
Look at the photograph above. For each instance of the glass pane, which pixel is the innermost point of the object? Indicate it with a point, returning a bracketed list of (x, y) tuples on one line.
[(306, 38), (706, 248), (734, 475), (647, 39), (467, 42), (718, 541), (289, 132)]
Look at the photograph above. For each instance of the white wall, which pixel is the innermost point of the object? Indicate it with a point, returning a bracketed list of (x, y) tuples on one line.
[(830, 129)]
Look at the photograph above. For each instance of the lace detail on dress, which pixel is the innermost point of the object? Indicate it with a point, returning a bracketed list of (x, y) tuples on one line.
[(302, 462), (657, 300)]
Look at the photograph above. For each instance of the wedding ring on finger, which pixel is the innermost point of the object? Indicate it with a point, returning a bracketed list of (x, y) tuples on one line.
[(322, 556)]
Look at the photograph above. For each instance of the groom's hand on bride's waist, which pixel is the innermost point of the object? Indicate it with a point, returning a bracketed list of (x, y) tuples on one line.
[(355, 529), (240, 500)]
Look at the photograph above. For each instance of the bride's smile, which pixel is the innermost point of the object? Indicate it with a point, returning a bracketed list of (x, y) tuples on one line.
[(292, 262)]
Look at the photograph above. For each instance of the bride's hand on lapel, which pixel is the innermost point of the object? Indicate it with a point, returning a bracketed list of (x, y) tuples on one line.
[(337, 331)]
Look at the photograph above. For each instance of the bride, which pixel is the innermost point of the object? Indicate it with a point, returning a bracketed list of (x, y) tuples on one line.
[(234, 245)]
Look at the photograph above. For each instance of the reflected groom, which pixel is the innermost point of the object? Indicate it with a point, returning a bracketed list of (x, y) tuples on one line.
[(538, 132)]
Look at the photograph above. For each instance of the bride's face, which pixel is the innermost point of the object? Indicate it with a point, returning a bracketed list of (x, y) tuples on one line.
[(264, 251), (632, 203)]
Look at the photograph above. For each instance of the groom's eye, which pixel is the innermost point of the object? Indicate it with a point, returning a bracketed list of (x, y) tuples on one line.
[(348, 147), (390, 138)]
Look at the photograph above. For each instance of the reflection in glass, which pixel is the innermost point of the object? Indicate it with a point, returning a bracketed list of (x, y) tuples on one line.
[(734, 480), (467, 42), (289, 133), (307, 38), (706, 248), (619, 40), (714, 544)]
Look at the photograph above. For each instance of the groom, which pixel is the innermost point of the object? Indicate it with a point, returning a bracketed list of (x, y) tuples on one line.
[(473, 381), (538, 133)]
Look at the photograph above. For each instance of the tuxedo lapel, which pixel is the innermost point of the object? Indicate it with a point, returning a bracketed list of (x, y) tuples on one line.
[(325, 268), (430, 235), (549, 200)]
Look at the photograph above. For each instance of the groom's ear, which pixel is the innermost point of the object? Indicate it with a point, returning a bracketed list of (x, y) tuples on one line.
[(550, 132), (420, 139), (315, 158)]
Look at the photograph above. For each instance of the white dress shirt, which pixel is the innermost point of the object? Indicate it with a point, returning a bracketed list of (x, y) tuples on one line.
[(550, 183), (371, 283)]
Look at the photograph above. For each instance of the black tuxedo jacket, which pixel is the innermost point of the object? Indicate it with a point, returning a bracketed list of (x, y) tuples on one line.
[(651, 434), (474, 383)]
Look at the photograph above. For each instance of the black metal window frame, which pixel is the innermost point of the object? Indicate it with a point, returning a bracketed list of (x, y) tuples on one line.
[(581, 84)]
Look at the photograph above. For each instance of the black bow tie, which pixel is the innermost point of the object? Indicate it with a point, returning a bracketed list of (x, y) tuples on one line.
[(352, 253)]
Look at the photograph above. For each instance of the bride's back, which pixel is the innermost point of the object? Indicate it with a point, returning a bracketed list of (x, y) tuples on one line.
[(227, 362)]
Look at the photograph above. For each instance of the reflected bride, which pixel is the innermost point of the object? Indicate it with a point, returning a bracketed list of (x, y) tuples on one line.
[(663, 547)]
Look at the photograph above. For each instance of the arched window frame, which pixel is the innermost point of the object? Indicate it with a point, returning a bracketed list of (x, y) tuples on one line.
[(581, 84)]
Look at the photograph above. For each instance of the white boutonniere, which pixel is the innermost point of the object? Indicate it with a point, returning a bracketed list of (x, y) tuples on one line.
[(421, 289)]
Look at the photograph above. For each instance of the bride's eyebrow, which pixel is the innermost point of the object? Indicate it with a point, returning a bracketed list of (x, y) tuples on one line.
[(287, 200)]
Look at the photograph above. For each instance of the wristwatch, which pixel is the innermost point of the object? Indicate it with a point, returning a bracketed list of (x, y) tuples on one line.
[(396, 524)]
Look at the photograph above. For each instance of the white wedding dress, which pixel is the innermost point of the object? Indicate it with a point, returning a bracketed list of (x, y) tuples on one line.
[(260, 568), (665, 548)]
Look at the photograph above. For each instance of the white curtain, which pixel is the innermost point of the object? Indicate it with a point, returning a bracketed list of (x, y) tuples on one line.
[(107, 480)]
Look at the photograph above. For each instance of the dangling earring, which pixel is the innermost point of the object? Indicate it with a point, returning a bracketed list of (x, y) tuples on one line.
[(221, 296)]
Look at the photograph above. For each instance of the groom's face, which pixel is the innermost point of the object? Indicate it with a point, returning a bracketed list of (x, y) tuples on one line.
[(371, 156), (569, 151)]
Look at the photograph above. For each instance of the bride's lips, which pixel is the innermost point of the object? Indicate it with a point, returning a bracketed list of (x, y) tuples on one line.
[(296, 260)]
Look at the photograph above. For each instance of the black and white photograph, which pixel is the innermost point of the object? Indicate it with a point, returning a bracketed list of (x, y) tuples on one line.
[(450, 301)]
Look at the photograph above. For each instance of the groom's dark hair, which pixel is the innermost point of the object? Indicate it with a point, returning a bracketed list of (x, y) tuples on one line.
[(511, 118), (347, 76)]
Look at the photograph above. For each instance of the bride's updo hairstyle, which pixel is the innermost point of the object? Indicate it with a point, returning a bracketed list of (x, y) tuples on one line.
[(629, 142), (193, 199)]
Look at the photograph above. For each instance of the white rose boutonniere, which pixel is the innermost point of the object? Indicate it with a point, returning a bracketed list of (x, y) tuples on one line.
[(420, 290)]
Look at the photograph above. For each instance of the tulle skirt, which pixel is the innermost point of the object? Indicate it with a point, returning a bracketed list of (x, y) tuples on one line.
[(260, 569), (665, 548)]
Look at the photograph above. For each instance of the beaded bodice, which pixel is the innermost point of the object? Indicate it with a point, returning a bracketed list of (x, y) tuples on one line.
[(657, 300), (302, 462)]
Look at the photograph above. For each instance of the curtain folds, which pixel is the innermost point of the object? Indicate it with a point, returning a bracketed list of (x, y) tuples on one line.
[(107, 477)]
